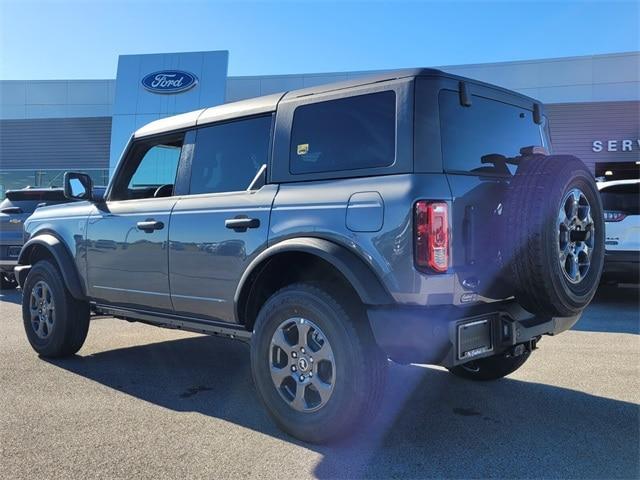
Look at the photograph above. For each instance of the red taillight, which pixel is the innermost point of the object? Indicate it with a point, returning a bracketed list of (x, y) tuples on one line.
[(431, 223)]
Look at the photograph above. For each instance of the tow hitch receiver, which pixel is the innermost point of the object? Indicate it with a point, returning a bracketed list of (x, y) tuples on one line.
[(522, 348), (485, 336), (517, 350)]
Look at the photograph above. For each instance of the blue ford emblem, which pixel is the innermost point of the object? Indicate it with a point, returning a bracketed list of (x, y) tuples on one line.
[(169, 81)]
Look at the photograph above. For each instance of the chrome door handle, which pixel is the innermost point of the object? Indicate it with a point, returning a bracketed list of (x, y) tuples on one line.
[(149, 226)]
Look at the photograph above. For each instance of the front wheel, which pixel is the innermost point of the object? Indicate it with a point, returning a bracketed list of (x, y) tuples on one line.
[(316, 368), (56, 324), (491, 368)]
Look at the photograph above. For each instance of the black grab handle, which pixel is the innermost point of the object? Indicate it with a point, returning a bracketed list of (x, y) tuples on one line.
[(241, 224)]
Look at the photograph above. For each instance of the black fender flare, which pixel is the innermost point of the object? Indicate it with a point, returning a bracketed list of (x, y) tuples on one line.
[(62, 257), (365, 282)]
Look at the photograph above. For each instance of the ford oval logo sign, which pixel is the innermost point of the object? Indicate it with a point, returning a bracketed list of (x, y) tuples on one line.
[(169, 81)]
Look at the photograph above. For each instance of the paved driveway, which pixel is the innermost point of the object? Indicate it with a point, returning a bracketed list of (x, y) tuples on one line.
[(143, 402)]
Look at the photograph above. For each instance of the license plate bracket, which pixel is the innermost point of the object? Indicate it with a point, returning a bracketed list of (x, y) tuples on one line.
[(474, 338)]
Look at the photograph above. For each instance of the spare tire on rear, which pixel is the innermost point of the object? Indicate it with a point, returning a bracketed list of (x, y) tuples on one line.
[(553, 243)]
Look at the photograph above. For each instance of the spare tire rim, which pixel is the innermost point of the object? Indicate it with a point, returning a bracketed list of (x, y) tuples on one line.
[(42, 309), (302, 364), (575, 236)]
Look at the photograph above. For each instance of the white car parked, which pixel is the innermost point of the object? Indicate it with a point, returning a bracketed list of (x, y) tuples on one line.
[(621, 201)]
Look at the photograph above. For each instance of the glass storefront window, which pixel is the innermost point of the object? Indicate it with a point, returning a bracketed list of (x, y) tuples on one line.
[(17, 179)]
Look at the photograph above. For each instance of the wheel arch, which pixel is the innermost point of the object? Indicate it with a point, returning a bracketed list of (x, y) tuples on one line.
[(48, 246), (347, 265)]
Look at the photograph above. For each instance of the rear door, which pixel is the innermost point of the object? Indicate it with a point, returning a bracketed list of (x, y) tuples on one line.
[(219, 227), (476, 142)]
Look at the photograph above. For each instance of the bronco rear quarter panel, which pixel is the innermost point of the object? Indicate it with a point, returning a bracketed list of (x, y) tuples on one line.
[(320, 209), (368, 211)]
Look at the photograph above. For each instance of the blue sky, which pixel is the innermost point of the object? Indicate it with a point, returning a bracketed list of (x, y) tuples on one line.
[(82, 39)]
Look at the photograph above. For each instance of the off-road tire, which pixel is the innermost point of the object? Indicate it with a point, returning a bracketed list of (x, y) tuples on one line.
[(71, 321), (360, 366), (491, 368), (530, 234)]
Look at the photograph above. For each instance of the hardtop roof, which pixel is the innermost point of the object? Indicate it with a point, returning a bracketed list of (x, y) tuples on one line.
[(269, 103)]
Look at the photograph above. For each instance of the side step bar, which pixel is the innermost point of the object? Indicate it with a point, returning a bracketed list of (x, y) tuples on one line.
[(175, 321)]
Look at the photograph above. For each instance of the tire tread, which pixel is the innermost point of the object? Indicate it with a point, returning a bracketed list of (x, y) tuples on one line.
[(526, 211), (72, 315), (372, 370)]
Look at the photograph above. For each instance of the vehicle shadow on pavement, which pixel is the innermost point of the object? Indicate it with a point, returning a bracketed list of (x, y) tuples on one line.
[(615, 309), (434, 425), (431, 425), (11, 296)]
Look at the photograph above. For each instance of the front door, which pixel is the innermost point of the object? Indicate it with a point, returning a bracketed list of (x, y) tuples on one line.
[(127, 235), (221, 225)]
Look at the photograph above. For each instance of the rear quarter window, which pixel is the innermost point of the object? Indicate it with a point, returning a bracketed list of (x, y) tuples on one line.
[(346, 134), (472, 136)]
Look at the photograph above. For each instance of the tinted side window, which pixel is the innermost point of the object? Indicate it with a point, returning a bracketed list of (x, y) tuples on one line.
[(228, 156), (157, 167), (150, 164), (346, 134), (473, 136)]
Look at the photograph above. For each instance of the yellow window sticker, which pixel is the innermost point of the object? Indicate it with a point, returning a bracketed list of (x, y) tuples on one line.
[(303, 149)]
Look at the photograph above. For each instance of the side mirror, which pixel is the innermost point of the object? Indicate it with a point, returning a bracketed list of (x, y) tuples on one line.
[(77, 186)]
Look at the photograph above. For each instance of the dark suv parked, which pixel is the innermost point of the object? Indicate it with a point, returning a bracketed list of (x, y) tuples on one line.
[(14, 210), (414, 215)]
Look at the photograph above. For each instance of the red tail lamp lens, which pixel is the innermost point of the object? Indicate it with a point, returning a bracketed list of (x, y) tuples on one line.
[(432, 235)]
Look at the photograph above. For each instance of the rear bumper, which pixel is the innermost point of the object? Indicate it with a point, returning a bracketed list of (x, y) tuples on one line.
[(7, 265), (433, 335), (9, 254), (622, 265)]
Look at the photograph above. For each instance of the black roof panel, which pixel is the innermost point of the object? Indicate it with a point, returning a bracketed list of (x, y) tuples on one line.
[(388, 76)]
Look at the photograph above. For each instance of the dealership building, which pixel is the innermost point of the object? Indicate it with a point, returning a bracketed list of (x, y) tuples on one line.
[(50, 126)]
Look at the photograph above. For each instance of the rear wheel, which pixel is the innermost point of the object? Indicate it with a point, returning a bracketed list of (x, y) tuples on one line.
[(491, 368), (316, 368), (56, 324)]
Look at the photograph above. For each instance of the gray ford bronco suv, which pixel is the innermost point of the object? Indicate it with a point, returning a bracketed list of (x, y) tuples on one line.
[(414, 215)]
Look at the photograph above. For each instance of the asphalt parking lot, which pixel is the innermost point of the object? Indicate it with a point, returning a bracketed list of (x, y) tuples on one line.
[(144, 402)]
